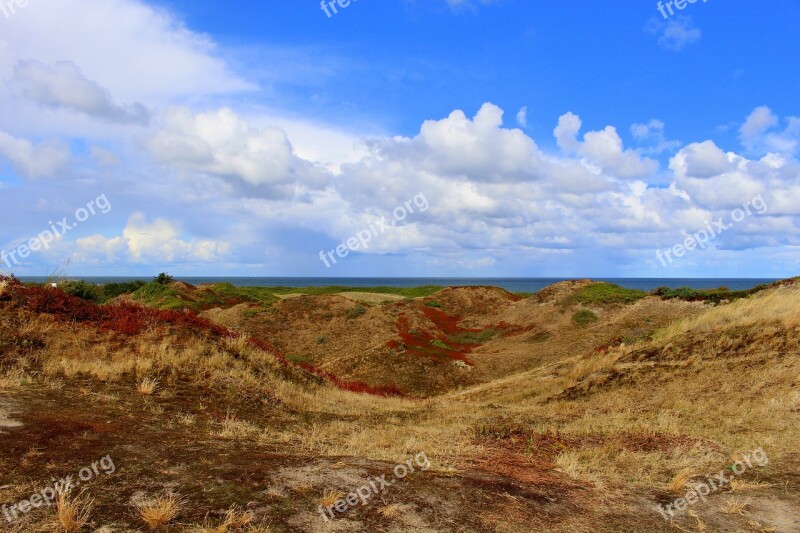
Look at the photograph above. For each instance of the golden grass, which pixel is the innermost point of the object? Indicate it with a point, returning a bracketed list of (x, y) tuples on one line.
[(160, 511), (331, 497), (147, 386), (775, 304), (72, 513), (741, 485), (235, 429), (186, 419), (678, 483), (390, 511), (734, 505), (236, 518)]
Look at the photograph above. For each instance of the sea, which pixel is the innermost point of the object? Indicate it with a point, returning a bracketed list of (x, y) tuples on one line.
[(529, 285)]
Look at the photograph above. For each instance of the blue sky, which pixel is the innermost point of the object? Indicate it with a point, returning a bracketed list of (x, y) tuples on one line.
[(244, 138)]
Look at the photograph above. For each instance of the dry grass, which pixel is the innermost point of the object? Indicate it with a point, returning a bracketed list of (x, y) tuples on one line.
[(741, 485), (235, 520), (72, 513), (147, 386), (734, 505), (330, 498), (776, 304), (390, 511), (186, 419), (160, 511), (678, 483), (235, 429)]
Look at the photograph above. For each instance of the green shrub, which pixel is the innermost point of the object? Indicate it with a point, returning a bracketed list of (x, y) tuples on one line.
[(440, 344), (541, 336), (355, 312), (704, 295), (220, 293), (100, 294), (606, 293), (162, 296), (163, 279), (113, 290), (584, 317), (82, 290), (434, 304)]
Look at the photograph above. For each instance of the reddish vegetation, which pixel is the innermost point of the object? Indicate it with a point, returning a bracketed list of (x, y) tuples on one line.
[(420, 342), (130, 319), (125, 318), (446, 323), (352, 386)]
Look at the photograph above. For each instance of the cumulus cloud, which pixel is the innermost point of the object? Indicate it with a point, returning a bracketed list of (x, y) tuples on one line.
[(157, 241), (222, 143), (63, 86), (41, 160), (757, 133), (602, 148)]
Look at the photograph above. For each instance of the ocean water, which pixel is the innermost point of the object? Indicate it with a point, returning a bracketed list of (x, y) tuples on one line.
[(510, 284)]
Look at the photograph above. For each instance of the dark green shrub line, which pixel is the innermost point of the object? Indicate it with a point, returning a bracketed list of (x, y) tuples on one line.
[(606, 293)]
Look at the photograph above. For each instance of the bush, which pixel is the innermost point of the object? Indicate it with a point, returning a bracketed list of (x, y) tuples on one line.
[(606, 293), (163, 279), (584, 317), (704, 295), (100, 294), (113, 290), (433, 304), (162, 296), (82, 290), (356, 312)]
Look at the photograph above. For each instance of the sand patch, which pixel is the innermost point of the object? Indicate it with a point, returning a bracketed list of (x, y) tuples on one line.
[(371, 297), (7, 408)]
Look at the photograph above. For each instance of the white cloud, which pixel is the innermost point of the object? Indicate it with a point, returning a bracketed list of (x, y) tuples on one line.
[(522, 117), (602, 148), (675, 34), (64, 87), (155, 242), (757, 132), (652, 138), (222, 143), (146, 53), (41, 160)]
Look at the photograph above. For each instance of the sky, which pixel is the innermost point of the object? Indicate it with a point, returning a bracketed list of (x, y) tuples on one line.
[(407, 138)]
